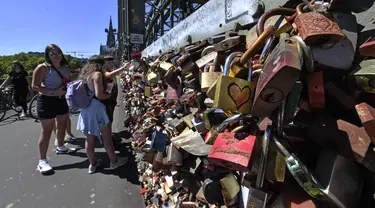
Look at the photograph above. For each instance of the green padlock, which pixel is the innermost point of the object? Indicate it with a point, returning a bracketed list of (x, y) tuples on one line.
[(232, 93), (365, 77)]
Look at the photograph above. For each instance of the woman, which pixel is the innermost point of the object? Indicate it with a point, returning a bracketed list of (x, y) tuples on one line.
[(50, 79), (94, 120), (109, 75), (69, 137), (18, 78)]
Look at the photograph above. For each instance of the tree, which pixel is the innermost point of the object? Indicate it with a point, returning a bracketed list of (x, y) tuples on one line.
[(30, 61)]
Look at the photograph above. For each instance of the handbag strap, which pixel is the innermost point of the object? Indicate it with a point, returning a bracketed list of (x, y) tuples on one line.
[(58, 72)]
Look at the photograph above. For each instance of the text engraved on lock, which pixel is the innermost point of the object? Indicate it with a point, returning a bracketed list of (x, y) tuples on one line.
[(315, 28), (238, 95)]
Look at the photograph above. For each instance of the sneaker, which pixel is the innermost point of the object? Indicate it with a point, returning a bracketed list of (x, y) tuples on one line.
[(120, 162), (67, 139), (43, 167), (92, 168), (64, 150), (23, 115)]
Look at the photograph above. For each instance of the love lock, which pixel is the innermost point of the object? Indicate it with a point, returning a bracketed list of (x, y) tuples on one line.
[(315, 28), (232, 93), (209, 76), (281, 70)]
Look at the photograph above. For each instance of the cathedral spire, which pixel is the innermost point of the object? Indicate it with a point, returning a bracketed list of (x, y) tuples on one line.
[(111, 40)]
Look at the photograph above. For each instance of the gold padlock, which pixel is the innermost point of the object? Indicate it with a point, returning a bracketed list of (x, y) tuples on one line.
[(209, 76), (232, 93)]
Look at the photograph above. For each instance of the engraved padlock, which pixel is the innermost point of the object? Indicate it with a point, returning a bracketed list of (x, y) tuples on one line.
[(281, 70), (209, 76), (232, 93), (316, 28)]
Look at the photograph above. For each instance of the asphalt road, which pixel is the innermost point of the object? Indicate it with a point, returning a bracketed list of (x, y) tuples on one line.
[(70, 186)]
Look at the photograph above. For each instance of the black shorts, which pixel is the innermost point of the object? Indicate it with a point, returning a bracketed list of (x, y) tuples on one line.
[(110, 106), (51, 106)]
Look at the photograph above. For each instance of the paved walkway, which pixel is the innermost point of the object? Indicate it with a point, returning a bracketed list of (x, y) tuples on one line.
[(70, 186)]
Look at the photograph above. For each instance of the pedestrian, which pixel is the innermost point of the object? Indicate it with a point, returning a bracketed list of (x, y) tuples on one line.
[(18, 78), (110, 77), (50, 80), (93, 120), (69, 137)]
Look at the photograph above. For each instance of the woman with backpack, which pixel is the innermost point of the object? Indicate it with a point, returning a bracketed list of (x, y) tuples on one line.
[(50, 80), (93, 120), (18, 78)]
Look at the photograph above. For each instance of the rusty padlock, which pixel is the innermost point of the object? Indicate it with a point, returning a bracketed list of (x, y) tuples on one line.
[(316, 28), (234, 94), (209, 76), (280, 72), (367, 115)]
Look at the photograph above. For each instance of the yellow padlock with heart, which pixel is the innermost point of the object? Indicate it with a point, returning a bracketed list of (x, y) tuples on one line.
[(232, 93)]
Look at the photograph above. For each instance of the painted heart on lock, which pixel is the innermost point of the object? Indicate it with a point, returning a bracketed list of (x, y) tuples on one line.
[(238, 95)]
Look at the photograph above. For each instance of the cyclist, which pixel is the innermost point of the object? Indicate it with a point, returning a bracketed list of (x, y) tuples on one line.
[(18, 78), (50, 79)]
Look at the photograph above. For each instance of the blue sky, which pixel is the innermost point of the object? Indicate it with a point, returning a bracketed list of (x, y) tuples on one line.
[(74, 25)]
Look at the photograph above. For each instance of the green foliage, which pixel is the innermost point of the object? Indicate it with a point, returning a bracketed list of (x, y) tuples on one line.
[(30, 61)]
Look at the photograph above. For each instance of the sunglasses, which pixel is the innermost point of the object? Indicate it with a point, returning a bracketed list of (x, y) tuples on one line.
[(54, 53)]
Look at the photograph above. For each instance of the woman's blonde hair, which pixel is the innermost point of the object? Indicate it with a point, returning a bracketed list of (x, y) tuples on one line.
[(95, 64)]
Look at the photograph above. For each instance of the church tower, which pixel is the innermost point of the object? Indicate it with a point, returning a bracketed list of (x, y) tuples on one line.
[(111, 40)]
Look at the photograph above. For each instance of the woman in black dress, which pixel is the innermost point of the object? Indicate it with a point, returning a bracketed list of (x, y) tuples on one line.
[(18, 78)]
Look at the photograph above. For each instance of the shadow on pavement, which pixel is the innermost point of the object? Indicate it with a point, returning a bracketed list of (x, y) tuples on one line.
[(128, 171)]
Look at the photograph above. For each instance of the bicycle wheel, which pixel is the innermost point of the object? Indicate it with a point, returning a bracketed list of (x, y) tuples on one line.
[(33, 107), (3, 109)]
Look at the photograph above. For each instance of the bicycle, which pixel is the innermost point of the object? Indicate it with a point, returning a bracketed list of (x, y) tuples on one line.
[(33, 112), (7, 103)]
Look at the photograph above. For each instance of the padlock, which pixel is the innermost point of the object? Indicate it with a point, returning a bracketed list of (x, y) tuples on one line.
[(174, 94), (280, 72), (209, 76), (367, 48), (306, 56), (158, 141), (331, 170), (230, 188), (271, 17), (192, 142), (367, 115), (148, 91), (213, 117), (233, 93), (211, 191), (227, 44), (207, 50), (292, 102), (203, 61), (345, 139), (364, 78), (198, 124), (316, 28), (305, 178), (315, 87), (348, 25), (345, 100), (232, 153), (338, 55), (257, 198), (174, 156)]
